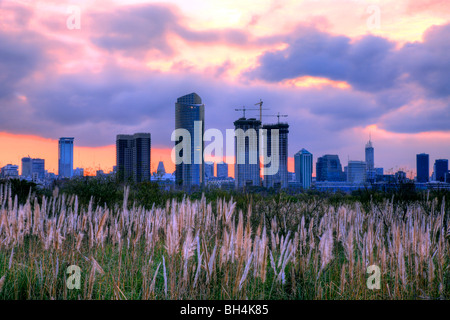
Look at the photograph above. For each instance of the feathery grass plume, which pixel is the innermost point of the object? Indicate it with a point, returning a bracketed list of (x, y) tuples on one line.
[(2, 282), (326, 248), (165, 277), (11, 259), (246, 270), (152, 285)]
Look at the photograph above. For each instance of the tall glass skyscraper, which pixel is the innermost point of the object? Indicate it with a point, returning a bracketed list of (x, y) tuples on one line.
[(370, 159), (329, 168), (280, 179), (189, 109), (246, 152), (65, 157), (440, 169), (133, 157), (303, 168), (423, 167)]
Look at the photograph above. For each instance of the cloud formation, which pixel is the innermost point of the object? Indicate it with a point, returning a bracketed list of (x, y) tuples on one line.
[(100, 84)]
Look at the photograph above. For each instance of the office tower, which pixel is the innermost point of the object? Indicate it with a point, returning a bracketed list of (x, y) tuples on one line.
[(280, 178), (33, 167), (209, 169), (246, 152), (303, 168), (161, 169), (38, 168), (65, 157), (423, 169), (133, 157), (189, 109), (222, 170), (27, 166), (356, 172), (328, 168), (370, 160), (440, 169)]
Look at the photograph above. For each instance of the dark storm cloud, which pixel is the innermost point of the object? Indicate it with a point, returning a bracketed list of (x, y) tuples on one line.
[(428, 62), (369, 64), (20, 55)]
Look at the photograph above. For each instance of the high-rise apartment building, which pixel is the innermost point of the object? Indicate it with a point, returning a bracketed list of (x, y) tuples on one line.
[(303, 168), (189, 115), (280, 178), (423, 167), (133, 157), (246, 151), (65, 157)]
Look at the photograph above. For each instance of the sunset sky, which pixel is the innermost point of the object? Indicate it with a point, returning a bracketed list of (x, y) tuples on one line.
[(333, 67)]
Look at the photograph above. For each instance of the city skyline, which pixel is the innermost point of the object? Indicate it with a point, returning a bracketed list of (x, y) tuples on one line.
[(103, 86)]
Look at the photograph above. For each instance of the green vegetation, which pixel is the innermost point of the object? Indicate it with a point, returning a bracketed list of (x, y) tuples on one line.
[(139, 242)]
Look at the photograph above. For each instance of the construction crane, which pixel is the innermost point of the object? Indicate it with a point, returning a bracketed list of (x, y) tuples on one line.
[(276, 115), (243, 109), (260, 103)]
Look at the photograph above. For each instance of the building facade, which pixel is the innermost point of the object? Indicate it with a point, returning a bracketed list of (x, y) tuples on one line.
[(356, 172), (222, 170), (133, 157), (246, 151), (209, 170), (423, 167), (303, 168), (329, 168), (280, 178), (65, 157), (189, 112), (440, 169), (370, 156)]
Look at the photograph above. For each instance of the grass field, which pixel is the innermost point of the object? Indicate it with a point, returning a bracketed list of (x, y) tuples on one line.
[(194, 249)]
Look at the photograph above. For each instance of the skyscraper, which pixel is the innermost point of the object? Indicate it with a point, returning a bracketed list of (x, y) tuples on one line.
[(38, 168), (246, 151), (370, 159), (356, 171), (133, 157), (65, 157), (161, 170), (329, 168), (303, 168), (189, 109), (440, 169), (222, 170), (27, 166), (209, 169), (280, 179), (423, 167)]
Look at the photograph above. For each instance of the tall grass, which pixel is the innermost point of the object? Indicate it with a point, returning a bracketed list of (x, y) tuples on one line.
[(199, 250)]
